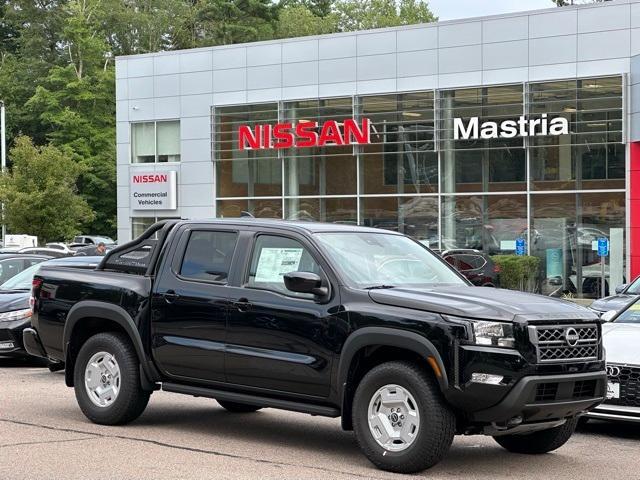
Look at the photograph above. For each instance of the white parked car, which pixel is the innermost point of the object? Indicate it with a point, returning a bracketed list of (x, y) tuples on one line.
[(621, 337)]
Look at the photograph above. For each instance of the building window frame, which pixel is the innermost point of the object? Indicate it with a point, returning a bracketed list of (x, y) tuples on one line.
[(132, 127)]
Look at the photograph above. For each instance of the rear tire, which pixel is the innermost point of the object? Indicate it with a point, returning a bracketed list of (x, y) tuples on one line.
[(426, 424), (107, 371), (235, 407), (539, 442)]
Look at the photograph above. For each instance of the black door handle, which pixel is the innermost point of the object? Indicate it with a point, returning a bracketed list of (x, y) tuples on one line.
[(170, 296), (242, 304)]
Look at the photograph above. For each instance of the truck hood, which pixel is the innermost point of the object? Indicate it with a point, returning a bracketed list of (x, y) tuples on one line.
[(621, 342), (483, 303)]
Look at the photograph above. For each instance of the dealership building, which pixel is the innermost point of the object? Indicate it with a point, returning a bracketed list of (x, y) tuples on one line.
[(509, 133)]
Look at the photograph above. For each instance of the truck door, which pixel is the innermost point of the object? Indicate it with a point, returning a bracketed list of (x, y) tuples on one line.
[(189, 305), (277, 339)]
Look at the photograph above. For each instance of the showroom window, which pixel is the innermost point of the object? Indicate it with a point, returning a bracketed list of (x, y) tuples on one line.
[(402, 156), (592, 155), (155, 142), (416, 178), (245, 172), (140, 224), (481, 165), (319, 170)]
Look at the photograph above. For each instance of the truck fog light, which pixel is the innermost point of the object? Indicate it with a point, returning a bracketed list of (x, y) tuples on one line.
[(486, 378)]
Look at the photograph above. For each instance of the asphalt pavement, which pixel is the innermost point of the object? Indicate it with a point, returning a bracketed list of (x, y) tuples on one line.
[(43, 435)]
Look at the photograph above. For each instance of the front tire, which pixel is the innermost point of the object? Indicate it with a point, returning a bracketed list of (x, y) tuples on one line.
[(235, 407), (107, 380), (400, 419), (539, 442)]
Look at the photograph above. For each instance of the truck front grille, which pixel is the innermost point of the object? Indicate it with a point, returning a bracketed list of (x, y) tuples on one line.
[(565, 343), (629, 379)]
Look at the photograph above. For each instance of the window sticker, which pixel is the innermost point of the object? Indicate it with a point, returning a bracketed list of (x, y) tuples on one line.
[(274, 263)]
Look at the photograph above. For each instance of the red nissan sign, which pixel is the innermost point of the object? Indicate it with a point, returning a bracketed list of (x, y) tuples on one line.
[(304, 134)]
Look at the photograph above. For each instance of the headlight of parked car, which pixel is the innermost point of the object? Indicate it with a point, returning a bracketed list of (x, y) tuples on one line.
[(15, 315)]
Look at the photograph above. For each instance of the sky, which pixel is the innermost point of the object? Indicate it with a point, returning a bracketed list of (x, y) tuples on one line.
[(452, 9)]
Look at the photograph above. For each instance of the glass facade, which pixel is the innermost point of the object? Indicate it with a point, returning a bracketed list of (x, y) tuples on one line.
[(558, 192)]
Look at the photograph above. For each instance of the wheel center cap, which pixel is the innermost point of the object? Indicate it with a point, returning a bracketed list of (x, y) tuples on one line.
[(394, 417)]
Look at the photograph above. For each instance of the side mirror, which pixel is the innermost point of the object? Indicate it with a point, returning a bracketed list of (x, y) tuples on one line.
[(608, 316), (621, 288), (305, 282)]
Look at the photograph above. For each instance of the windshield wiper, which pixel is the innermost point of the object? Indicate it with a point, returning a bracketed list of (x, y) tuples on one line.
[(379, 287)]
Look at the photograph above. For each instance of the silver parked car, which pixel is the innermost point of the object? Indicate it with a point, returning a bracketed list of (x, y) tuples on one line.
[(621, 338), (624, 294)]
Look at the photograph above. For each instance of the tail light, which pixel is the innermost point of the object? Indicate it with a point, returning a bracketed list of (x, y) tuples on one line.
[(36, 284)]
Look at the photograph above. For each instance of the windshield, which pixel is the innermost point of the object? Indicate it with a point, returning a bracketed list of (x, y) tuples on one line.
[(369, 260), (22, 281), (631, 314), (634, 288)]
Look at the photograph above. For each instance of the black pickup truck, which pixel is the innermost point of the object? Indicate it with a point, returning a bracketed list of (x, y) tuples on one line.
[(333, 320)]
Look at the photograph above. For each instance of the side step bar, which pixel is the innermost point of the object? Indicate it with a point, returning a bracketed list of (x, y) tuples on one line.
[(252, 399)]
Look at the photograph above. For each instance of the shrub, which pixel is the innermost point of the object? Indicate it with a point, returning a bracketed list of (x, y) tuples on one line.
[(518, 272)]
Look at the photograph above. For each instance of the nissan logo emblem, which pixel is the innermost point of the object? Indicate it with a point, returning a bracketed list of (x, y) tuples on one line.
[(613, 371), (571, 336)]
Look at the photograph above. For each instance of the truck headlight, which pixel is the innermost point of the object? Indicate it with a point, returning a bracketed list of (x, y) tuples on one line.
[(15, 315), (495, 334)]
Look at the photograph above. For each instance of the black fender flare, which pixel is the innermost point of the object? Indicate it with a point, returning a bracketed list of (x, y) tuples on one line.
[(116, 314), (389, 337)]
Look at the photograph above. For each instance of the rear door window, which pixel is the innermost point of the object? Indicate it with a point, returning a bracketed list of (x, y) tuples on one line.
[(208, 255)]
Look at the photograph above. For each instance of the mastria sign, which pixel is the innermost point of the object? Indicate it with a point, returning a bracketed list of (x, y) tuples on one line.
[(523, 127), (304, 134)]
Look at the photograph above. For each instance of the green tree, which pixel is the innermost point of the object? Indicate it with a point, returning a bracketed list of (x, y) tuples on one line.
[(75, 105), (367, 14), (299, 21), (39, 192)]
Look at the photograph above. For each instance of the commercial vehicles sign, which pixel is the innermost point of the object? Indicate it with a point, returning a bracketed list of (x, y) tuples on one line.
[(153, 191), (304, 134), (522, 127)]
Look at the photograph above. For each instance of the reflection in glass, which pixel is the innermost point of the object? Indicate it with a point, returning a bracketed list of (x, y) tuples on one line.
[(331, 210), (564, 229), (489, 223), (259, 208), (414, 216)]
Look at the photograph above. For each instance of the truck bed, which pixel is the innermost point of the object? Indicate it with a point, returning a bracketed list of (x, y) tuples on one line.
[(62, 287)]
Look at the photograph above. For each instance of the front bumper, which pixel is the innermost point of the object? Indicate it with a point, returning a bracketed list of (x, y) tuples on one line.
[(11, 337), (620, 413), (545, 398)]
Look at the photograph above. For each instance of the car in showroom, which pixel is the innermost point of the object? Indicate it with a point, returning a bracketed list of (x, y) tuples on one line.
[(621, 338), (360, 323), (624, 295), (476, 266), (15, 310)]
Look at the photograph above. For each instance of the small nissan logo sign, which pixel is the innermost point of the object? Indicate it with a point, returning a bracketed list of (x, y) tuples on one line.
[(571, 336)]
